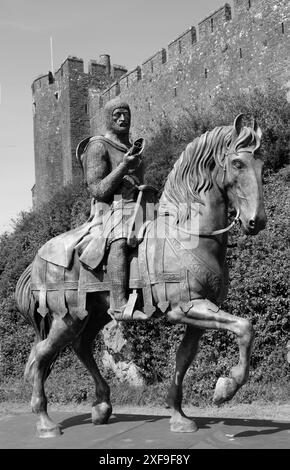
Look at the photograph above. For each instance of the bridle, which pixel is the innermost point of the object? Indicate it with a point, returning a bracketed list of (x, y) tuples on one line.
[(215, 232)]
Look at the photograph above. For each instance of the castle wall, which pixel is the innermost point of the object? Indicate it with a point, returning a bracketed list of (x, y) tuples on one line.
[(238, 49), (61, 120), (232, 50)]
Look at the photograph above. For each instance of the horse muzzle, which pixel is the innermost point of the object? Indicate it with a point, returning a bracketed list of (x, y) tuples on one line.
[(254, 225)]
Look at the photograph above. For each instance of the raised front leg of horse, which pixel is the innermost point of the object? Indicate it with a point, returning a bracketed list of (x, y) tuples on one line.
[(206, 315), (184, 357)]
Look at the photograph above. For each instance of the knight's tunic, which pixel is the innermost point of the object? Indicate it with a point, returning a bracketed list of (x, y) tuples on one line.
[(110, 215)]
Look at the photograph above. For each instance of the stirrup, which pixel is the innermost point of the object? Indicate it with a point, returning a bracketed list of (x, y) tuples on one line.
[(127, 312), (120, 315)]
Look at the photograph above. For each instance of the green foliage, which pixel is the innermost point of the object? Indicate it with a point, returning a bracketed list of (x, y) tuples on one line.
[(259, 291), (269, 107), (259, 274), (31, 230), (272, 112)]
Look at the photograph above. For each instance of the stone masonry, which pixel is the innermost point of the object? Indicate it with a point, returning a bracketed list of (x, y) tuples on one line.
[(229, 50), (61, 119)]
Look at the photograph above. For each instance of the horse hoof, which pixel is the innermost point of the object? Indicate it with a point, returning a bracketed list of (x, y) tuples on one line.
[(101, 413), (49, 432), (225, 389), (184, 425)]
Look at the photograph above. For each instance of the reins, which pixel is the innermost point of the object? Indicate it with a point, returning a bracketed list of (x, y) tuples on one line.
[(215, 232)]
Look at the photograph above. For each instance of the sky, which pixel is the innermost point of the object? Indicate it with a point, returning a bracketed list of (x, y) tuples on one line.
[(130, 31)]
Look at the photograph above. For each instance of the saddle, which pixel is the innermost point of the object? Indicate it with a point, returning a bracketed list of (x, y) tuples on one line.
[(148, 267), (58, 254), (59, 281)]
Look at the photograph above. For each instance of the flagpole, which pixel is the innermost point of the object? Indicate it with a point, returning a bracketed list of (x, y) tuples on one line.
[(51, 55)]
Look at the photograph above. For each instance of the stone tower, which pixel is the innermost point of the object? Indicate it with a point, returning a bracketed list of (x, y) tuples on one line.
[(237, 48), (61, 120)]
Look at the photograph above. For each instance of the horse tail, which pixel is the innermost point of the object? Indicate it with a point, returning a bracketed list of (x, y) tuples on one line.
[(24, 301), (23, 293), (27, 307)]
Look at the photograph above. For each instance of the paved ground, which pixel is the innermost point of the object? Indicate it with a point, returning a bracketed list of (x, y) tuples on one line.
[(237, 427)]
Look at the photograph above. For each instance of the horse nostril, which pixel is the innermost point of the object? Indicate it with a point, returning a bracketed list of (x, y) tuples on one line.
[(252, 223)]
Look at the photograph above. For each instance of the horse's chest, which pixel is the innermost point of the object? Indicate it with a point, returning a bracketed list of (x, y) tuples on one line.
[(197, 276)]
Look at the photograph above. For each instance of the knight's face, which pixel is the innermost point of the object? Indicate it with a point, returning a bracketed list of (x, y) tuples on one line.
[(121, 121)]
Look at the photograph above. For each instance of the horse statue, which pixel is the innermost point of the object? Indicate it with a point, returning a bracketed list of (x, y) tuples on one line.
[(181, 274)]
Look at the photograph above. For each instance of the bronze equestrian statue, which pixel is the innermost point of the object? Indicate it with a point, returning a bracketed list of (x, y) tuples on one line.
[(176, 267)]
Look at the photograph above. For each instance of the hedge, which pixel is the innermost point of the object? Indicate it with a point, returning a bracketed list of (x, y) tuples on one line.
[(259, 272)]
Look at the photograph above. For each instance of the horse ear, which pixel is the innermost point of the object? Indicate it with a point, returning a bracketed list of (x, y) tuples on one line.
[(256, 128), (259, 132), (238, 124), (254, 124)]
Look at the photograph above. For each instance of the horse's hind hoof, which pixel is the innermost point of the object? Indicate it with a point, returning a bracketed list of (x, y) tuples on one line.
[(51, 432), (183, 425)]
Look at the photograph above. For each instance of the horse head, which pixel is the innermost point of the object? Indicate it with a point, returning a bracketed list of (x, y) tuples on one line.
[(242, 178)]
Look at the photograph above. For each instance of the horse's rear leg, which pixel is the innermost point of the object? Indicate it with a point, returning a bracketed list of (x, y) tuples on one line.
[(204, 314), (59, 336), (184, 357), (83, 347)]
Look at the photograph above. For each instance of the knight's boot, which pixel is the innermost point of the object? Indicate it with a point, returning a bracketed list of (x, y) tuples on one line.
[(121, 308)]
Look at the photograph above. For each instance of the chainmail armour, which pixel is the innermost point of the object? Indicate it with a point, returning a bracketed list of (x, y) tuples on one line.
[(112, 184)]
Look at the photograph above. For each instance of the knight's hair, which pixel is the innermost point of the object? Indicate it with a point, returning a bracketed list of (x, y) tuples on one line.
[(110, 107)]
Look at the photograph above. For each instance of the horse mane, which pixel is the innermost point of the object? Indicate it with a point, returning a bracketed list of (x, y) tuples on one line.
[(194, 171)]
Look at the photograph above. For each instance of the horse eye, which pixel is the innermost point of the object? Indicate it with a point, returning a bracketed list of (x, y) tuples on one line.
[(238, 164)]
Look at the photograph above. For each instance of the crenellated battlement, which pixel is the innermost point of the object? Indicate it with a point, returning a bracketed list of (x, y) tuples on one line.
[(214, 22), (177, 48), (233, 48), (73, 67), (184, 46), (182, 42)]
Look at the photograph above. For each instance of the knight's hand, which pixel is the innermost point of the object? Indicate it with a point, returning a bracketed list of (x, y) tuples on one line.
[(132, 161)]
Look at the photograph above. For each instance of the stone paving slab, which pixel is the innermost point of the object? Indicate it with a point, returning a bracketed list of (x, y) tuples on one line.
[(144, 431)]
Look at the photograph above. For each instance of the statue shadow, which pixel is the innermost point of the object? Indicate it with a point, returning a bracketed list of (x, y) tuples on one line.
[(249, 427), (255, 425), (86, 418)]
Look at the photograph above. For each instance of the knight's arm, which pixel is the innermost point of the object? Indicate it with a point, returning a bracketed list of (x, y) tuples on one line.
[(102, 182)]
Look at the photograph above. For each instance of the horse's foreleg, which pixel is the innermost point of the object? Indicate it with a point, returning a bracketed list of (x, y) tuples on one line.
[(204, 314), (184, 357), (83, 347)]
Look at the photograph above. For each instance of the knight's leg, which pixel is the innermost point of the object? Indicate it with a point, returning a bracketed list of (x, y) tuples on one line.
[(101, 408), (118, 273), (184, 357), (59, 336), (206, 315)]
